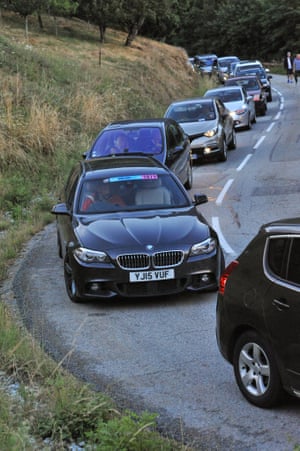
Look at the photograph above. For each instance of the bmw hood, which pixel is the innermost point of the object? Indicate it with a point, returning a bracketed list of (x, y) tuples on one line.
[(135, 233)]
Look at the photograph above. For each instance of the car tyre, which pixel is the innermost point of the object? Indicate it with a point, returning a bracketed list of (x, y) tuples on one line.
[(255, 370), (70, 282), (223, 151), (249, 125), (189, 182), (59, 245), (232, 143), (263, 110), (270, 97)]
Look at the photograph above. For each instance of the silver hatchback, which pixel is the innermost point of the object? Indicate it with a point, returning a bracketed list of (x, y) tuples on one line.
[(239, 103)]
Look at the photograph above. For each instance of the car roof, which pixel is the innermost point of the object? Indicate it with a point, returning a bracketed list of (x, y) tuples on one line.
[(231, 58), (120, 163), (286, 225), (192, 100), (138, 123), (206, 56), (242, 77), (225, 88)]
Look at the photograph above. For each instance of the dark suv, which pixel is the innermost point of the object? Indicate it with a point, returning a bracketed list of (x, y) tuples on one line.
[(258, 314)]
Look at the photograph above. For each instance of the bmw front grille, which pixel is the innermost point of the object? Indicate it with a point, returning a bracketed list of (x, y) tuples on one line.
[(165, 259)]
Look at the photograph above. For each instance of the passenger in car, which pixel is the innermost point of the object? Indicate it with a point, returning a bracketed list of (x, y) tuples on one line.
[(100, 192), (121, 144), (153, 193)]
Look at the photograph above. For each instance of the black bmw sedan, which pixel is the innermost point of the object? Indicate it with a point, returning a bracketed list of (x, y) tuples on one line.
[(131, 230)]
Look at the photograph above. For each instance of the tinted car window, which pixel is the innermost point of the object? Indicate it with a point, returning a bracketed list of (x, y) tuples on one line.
[(294, 262), (135, 191), (174, 136), (284, 258), (71, 186), (192, 112), (135, 139), (277, 250)]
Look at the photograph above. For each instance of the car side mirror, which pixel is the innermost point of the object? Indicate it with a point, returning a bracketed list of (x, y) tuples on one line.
[(200, 199), (60, 209)]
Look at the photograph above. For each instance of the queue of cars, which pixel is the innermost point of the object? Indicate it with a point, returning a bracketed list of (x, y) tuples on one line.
[(126, 227)]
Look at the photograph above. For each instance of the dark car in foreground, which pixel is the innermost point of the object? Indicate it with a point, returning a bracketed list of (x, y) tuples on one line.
[(258, 314), (162, 138), (127, 228), (254, 87), (208, 124)]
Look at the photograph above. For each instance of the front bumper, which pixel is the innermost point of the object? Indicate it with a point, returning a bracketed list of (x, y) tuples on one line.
[(205, 148), (240, 120), (104, 282)]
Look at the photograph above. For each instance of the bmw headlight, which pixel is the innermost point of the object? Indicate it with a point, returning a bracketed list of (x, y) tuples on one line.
[(210, 133), (205, 247), (89, 256)]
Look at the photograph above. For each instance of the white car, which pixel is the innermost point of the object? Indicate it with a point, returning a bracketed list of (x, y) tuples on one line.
[(239, 103)]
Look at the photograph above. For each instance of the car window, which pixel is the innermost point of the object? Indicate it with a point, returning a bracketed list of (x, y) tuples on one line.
[(277, 250), (70, 187), (136, 139), (293, 274), (284, 258), (229, 96), (192, 112), (175, 136), (130, 192)]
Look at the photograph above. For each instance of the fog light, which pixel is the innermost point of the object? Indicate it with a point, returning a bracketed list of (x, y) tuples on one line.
[(207, 150), (205, 278), (94, 286)]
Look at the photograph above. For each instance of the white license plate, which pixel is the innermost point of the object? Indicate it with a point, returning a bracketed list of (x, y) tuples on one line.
[(150, 276)]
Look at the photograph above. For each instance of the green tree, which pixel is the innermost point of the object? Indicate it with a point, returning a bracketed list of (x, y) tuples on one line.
[(102, 13), (23, 7), (61, 8), (132, 15), (281, 25)]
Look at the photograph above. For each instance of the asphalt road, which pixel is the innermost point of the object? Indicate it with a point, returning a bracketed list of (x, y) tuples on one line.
[(161, 354)]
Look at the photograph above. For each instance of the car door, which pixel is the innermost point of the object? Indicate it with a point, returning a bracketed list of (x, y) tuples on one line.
[(178, 156), (282, 301), (64, 222), (225, 120)]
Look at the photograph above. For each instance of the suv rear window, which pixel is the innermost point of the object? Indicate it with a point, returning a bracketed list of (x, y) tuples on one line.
[(283, 258)]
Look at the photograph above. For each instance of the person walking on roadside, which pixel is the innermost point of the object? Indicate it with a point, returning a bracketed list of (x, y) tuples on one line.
[(296, 67), (288, 65)]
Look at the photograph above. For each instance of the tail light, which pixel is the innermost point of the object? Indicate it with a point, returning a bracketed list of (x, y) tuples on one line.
[(226, 273)]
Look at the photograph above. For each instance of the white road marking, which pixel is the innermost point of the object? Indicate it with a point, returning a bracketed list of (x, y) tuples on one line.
[(223, 192), (225, 246), (243, 163), (259, 142), (215, 219), (270, 127)]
